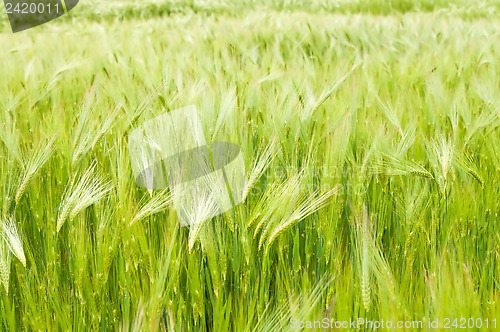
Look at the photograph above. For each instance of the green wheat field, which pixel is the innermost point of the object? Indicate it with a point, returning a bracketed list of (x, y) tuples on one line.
[(370, 132)]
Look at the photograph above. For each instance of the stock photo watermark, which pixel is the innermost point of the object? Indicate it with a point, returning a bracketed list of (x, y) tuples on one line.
[(27, 14), (208, 178), (205, 179), (366, 324)]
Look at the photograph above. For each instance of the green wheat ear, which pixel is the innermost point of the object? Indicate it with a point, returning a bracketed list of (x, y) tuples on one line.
[(89, 189), (309, 206), (5, 260), (465, 162), (33, 165), (261, 162), (199, 217), (13, 239)]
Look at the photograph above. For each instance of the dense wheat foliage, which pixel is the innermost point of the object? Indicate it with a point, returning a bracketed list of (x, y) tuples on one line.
[(371, 135)]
